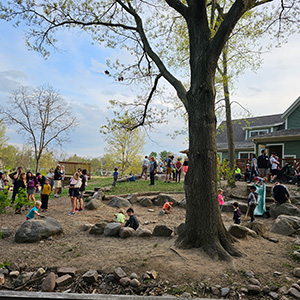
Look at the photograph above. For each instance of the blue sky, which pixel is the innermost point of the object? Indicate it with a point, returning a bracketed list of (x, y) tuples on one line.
[(78, 73)]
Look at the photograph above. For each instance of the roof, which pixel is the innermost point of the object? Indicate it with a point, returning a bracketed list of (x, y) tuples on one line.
[(288, 134), (239, 127), (291, 108)]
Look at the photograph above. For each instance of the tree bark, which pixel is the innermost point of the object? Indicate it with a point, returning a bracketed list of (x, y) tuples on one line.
[(230, 141)]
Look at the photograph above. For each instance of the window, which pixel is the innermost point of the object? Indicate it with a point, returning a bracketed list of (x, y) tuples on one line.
[(258, 132), (245, 155)]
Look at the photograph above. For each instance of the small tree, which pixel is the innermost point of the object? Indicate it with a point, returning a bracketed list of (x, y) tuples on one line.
[(41, 115)]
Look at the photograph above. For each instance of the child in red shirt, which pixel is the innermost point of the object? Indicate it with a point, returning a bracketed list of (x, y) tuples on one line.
[(167, 207)]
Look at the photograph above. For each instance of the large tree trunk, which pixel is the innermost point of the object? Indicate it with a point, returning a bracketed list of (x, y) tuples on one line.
[(204, 227), (230, 141)]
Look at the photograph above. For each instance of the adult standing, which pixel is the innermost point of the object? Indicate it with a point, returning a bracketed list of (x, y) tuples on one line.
[(274, 166), (178, 167), (41, 180), (14, 178), (253, 167), (153, 167), (263, 163), (83, 177), (20, 185), (169, 167), (145, 165), (50, 176), (57, 180)]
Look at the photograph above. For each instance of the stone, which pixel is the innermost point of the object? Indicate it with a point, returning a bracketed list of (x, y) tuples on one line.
[(161, 213), (132, 198), (244, 290), (48, 284), (126, 232), (274, 288), (266, 289), (283, 290), (146, 202), (98, 195), (5, 232), (186, 295), (152, 274), (143, 232), (64, 280), (254, 281), (240, 231), (125, 281), (274, 295), (253, 289), (112, 229), (276, 274), (182, 203), (150, 210), (86, 227), (90, 277), (110, 278), (118, 202), (39, 273), (119, 272), (277, 209), (35, 230), (224, 292), (215, 291), (296, 272), (14, 274), (98, 228), (4, 271), (296, 253), (283, 226), (146, 276), (135, 283), (2, 279), (133, 276), (296, 286), (93, 204), (67, 270), (161, 199), (284, 298), (259, 228), (294, 292), (103, 286), (162, 230)]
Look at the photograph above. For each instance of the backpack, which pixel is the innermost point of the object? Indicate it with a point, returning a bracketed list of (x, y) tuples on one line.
[(239, 213)]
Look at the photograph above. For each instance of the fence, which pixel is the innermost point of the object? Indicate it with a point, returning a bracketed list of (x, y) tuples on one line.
[(72, 167)]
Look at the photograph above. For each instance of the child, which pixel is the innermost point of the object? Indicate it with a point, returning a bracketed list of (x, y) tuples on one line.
[(115, 175), (46, 190), (75, 184), (236, 213), (132, 221), (120, 217), (252, 202), (220, 198), (167, 207), (34, 211)]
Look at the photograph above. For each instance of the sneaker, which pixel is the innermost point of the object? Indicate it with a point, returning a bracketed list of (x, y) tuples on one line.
[(76, 209), (71, 214), (80, 209)]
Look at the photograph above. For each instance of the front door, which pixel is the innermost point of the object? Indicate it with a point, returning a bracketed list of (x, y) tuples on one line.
[(275, 148)]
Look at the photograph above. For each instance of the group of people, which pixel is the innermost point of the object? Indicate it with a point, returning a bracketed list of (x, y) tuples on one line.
[(167, 166), (262, 165)]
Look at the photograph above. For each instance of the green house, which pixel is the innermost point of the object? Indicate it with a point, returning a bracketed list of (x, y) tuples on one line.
[(278, 133)]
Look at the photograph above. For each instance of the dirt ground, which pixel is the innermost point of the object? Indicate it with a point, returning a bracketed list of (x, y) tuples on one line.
[(79, 249)]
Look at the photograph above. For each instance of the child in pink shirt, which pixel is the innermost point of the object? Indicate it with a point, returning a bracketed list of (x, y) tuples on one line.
[(221, 198)]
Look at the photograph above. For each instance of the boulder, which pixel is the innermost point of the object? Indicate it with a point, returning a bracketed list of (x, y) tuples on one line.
[(162, 230), (146, 202), (118, 202), (5, 232), (119, 272), (35, 230), (64, 280), (288, 209), (112, 229), (182, 203), (93, 204), (90, 277), (132, 198), (259, 228), (126, 232), (86, 227), (161, 199), (98, 228), (286, 225), (98, 195), (142, 232), (66, 270), (240, 231)]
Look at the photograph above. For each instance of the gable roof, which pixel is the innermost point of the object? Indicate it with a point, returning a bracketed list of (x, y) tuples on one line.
[(239, 126), (291, 108)]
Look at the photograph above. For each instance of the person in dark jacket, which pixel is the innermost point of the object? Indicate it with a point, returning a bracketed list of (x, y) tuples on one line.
[(14, 177), (263, 163), (153, 167), (132, 221)]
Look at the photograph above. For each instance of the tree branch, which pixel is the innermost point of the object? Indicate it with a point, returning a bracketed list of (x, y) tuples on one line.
[(179, 7)]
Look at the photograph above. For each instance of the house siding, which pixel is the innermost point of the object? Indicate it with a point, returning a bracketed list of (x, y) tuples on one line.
[(294, 119), (292, 148)]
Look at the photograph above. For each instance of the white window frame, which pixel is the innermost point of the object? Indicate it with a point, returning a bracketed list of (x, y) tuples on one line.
[(257, 130), (243, 152)]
